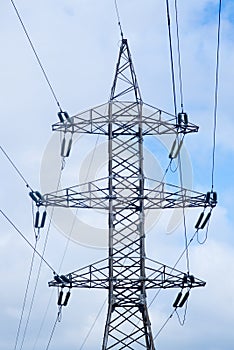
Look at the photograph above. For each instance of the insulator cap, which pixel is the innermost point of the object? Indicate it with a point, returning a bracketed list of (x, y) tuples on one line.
[(192, 279), (173, 154), (176, 302), (60, 298), (63, 147), (206, 220), (38, 194), (63, 115), (185, 118), (64, 152), (43, 219), (37, 219), (199, 220), (182, 118), (66, 115), (185, 279), (181, 304), (69, 147), (207, 200), (178, 149), (172, 150), (33, 196), (215, 196), (67, 298)]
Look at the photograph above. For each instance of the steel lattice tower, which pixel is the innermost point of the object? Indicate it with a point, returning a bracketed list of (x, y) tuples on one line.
[(125, 193)]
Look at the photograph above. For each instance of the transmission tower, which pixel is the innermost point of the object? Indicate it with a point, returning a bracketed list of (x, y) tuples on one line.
[(125, 194)]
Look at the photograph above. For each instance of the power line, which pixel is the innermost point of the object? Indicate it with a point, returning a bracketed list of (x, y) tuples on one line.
[(23, 236), (179, 57), (54, 326), (36, 55), (118, 17), (216, 93), (171, 57), (25, 298), (183, 211), (182, 322), (31, 306), (93, 325), (164, 325), (175, 105), (43, 320), (34, 292), (39, 270), (16, 169)]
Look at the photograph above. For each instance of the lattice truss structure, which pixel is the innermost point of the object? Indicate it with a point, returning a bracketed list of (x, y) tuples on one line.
[(126, 193)]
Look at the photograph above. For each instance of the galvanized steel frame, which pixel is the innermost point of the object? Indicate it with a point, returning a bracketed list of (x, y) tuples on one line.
[(126, 193)]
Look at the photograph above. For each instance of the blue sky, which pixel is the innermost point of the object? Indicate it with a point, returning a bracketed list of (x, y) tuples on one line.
[(78, 45)]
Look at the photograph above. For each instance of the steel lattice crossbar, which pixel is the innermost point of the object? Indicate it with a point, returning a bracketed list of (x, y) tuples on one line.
[(125, 120), (96, 194), (157, 276)]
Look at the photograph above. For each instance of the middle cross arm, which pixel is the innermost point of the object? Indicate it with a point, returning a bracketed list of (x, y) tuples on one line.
[(96, 195), (157, 276)]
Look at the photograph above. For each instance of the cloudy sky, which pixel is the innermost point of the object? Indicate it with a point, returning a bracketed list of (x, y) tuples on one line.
[(78, 44)]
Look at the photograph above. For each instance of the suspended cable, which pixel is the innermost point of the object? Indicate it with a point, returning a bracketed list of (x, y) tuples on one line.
[(184, 217), (43, 320), (34, 291), (22, 235), (179, 57), (184, 251), (54, 326), (206, 234), (118, 17), (164, 325), (182, 322), (93, 325), (31, 307), (42, 259), (216, 93), (39, 271), (25, 297), (36, 55), (173, 268), (171, 57), (16, 169), (175, 107)]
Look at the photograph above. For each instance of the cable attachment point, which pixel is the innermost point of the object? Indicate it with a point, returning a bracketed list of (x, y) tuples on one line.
[(188, 281), (211, 199), (182, 120), (63, 280), (63, 117), (36, 197)]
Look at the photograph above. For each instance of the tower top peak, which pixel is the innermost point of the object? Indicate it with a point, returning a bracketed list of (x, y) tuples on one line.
[(125, 85)]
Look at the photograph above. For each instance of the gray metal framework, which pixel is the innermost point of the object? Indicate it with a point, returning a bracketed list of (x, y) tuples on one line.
[(126, 193)]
